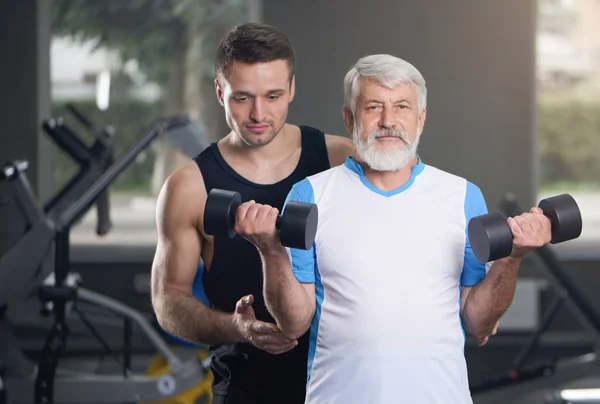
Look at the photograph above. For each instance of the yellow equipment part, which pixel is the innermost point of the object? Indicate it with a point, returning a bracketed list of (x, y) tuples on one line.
[(199, 394)]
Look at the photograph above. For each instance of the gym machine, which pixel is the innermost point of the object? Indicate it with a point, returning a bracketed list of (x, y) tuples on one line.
[(49, 226), (525, 378), (92, 161), (31, 268)]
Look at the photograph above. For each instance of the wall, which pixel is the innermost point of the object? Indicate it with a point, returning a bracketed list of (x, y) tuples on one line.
[(25, 100), (478, 59)]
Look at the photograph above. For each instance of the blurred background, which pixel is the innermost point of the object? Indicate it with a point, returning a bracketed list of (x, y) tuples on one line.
[(513, 105)]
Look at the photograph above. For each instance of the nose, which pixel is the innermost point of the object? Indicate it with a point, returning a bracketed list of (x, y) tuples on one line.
[(386, 119), (257, 114)]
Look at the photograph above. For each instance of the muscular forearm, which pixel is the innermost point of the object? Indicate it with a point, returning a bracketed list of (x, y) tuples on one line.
[(185, 317), (285, 298), (490, 298)]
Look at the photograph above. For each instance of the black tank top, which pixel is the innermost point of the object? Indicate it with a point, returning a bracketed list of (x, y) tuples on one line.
[(241, 370)]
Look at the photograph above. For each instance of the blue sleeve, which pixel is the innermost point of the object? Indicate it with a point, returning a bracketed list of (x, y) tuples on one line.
[(473, 270), (303, 261)]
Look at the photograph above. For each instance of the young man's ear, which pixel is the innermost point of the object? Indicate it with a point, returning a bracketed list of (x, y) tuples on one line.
[(219, 91), (292, 88)]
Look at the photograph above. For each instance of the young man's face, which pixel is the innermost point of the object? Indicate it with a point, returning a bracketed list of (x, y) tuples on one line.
[(256, 99)]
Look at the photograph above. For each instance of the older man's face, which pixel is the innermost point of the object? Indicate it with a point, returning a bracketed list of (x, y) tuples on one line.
[(387, 125)]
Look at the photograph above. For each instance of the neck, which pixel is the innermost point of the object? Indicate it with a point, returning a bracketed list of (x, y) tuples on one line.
[(274, 150), (388, 180)]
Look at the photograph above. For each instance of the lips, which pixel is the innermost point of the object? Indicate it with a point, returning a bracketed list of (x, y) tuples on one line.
[(257, 128), (389, 138)]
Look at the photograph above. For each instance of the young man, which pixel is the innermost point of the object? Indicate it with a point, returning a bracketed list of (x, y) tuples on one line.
[(391, 283), (261, 158)]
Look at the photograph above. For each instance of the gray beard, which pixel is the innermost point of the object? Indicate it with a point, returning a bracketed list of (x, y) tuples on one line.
[(385, 159)]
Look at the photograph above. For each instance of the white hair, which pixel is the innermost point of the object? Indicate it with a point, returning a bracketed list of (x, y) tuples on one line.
[(387, 70)]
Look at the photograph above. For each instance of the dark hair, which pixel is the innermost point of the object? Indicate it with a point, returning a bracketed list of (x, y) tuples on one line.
[(253, 43)]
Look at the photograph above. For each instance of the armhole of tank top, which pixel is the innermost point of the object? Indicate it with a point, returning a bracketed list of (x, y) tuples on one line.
[(314, 139), (202, 268), (200, 160), (324, 152)]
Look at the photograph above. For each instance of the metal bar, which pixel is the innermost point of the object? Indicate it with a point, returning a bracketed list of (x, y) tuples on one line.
[(26, 199), (535, 337), (104, 224), (127, 345), (117, 307), (67, 140), (61, 256), (82, 203), (91, 328), (84, 120), (63, 196)]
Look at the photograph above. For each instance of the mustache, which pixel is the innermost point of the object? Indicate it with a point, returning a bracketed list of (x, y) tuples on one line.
[(389, 133), (254, 123)]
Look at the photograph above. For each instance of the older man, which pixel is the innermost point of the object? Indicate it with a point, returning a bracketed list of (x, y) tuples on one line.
[(391, 284)]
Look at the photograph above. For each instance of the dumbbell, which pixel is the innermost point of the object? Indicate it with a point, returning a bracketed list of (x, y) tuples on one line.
[(297, 225), (491, 237)]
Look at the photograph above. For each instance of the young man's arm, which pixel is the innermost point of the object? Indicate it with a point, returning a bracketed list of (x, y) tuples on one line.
[(486, 295), (338, 149), (179, 215), (176, 263)]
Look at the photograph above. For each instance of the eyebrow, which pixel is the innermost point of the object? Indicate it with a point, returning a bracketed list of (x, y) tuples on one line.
[(249, 94), (372, 100)]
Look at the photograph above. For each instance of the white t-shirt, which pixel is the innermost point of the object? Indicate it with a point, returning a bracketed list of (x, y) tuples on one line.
[(388, 269)]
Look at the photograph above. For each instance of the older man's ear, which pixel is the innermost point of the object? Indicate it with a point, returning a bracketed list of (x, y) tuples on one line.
[(348, 120)]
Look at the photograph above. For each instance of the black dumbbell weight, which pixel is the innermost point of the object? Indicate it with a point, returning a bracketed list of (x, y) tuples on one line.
[(491, 237), (297, 225)]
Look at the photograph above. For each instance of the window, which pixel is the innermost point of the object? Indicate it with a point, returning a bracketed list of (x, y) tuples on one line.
[(125, 64), (568, 74)]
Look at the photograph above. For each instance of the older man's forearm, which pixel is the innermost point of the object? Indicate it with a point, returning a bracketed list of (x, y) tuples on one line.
[(491, 297)]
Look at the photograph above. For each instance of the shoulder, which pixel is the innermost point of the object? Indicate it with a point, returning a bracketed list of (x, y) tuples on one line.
[(446, 181), (186, 179), (306, 189), (475, 203), (338, 149), (441, 176), (182, 195)]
